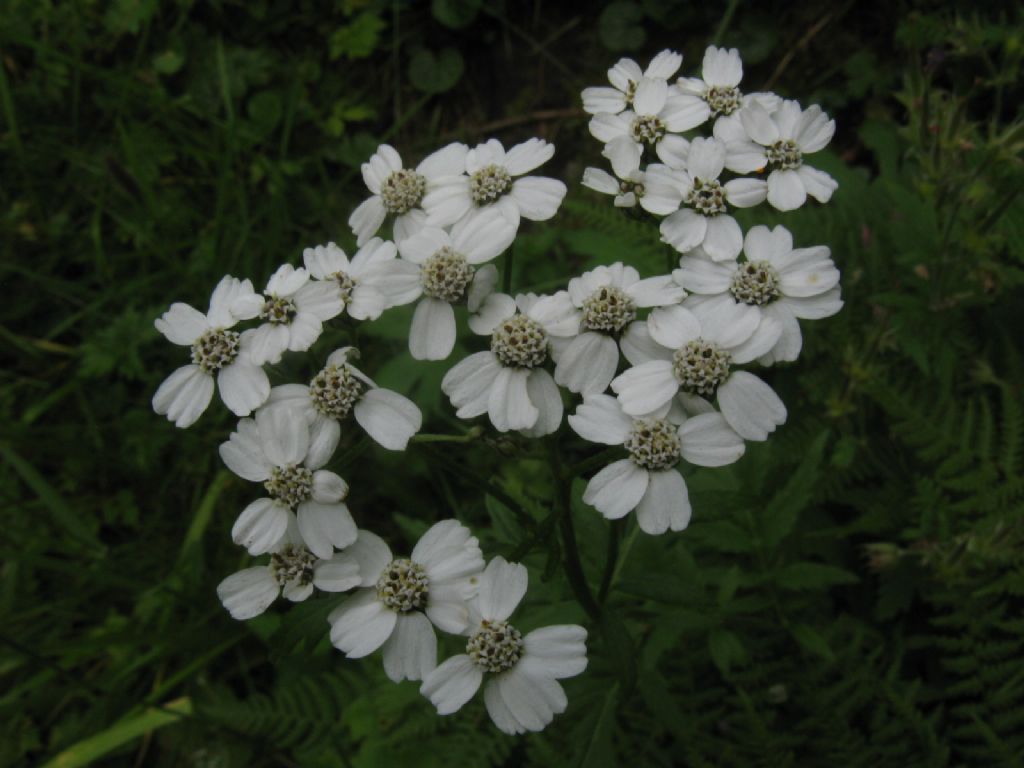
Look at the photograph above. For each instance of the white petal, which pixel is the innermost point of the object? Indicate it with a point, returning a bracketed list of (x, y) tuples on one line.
[(469, 383), (588, 363), (656, 291), (750, 406), (625, 72), (606, 128), (664, 64), (706, 159), (624, 153), (704, 276), (673, 327), (814, 130), (328, 487), (266, 343), (411, 651), (532, 701), (603, 99), (638, 346), (600, 419), (324, 434), (538, 197), (646, 387), (448, 540), (683, 111), (745, 193), (616, 489), (361, 625), (760, 342), (484, 282), (372, 556), (244, 387), (723, 239), (184, 395), (388, 417), (248, 593), (490, 152), (287, 280), (502, 587), (763, 244), (228, 291), (650, 96), (556, 313), (182, 324), (673, 150), (523, 158), (547, 399), (816, 307), (448, 201), (303, 331), (708, 441), (508, 404), (482, 237), (666, 505), (243, 454), (320, 299), (325, 527), (323, 261), (495, 308), (684, 230), (452, 684), (447, 161), (365, 220), (722, 67), (557, 652), (726, 322), (758, 124), (786, 191), (432, 335), (424, 244), (284, 435), (337, 574), (501, 715), (600, 181), (260, 526), (818, 184)]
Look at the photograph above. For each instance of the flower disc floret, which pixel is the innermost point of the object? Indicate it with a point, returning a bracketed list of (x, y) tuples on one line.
[(707, 197), (496, 647), (215, 349), (785, 155), (649, 128), (335, 390), (608, 309), (294, 563), (278, 310), (290, 485), (701, 366), (446, 275), (402, 191), (723, 99), (489, 183), (634, 187), (520, 342), (755, 283), (346, 284), (403, 586), (654, 444)]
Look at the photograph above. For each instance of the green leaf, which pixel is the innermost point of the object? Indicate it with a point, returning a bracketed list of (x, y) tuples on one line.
[(455, 13), (358, 39), (600, 749), (727, 587), (726, 649), (813, 576), (781, 513), (438, 73), (620, 26), (809, 638)]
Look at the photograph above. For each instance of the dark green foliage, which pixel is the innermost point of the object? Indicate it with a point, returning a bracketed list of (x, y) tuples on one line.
[(849, 594)]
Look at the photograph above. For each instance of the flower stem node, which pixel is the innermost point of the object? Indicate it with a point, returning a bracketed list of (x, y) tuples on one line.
[(446, 275), (215, 349), (755, 283), (496, 647), (654, 444), (294, 563), (520, 342), (403, 586), (290, 485), (335, 390), (489, 183), (402, 191), (785, 155), (701, 366)]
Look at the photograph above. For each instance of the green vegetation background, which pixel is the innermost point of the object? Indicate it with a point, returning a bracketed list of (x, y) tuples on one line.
[(849, 594)]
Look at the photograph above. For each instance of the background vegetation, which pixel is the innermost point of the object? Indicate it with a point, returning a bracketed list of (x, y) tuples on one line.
[(849, 594)]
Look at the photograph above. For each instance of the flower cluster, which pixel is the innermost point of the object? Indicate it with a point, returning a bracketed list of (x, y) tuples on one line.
[(659, 364)]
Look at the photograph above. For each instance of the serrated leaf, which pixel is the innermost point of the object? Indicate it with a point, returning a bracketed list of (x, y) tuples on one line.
[(435, 73), (781, 513)]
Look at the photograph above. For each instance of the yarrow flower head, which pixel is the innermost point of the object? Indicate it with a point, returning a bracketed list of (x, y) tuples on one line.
[(522, 692), (293, 570), (607, 299), (400, 598), (361, 282), (341, 390), (776, 283), (625, 76), (491, 178), (509, 382), (217, 353), (398, 191), (648, 480), (718, 85), (278, 449)]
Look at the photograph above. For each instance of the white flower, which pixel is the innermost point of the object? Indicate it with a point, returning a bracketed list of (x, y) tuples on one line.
[(627, 191), (489, 182), (625, 76), (445, 269), (693, 353), (402, 597), (400, 191), (292, 569), (705, 222), (787, 135), (522, 692), (659, 112), (341, 390), (775, 282), (360, 282), (607, 299), (507, 382), (278, 450), (717, 87), (648, 480), (295, 310), (216, 351)]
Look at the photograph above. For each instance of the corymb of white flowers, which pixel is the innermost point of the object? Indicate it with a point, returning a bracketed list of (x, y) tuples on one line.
[(660, 367)]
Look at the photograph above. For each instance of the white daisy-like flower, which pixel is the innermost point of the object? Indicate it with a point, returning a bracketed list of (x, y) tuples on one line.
[(607, 299), (628, 191), (786, 135), (490, 180), (358, 281), (625, 76), (694, 354), (278, 449), (776, 282), (399, 191), (508, 382), (718, 85), (294, 309), (659, 113), (705, 220), (522, 692), (648, 480), (341, 390), (402, 597), (293, 570), (442, 269), (217, 352)]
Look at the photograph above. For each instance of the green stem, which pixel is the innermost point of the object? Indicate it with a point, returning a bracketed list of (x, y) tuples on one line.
[(611, 558), (468, 437), (570, 551)]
